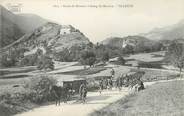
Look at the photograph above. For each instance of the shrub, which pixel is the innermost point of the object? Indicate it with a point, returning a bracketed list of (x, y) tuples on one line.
[(40, 89), (121, 60), (45, 63), (88, 57), (92, 85), (156, 64), (105, 56)]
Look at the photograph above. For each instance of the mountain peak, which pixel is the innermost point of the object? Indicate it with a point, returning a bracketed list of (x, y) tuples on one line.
[(171, 32)]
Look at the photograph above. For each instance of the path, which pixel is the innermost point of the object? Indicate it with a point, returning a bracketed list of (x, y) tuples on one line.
[(95, 101)]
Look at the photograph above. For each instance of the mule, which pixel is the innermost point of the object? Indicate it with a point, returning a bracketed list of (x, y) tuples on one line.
[(59, 93)]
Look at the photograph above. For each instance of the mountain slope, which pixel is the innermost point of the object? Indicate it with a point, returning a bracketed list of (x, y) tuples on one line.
[(133, 44), (52, 35), (29, 22), (167, 33), (123, 42), (12, 26), (9, 30)]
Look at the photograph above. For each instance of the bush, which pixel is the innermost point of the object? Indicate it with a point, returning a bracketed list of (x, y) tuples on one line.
[(105, 57), (45, 63), (37, 91), (121, 60), (156, 64), (92, 85), (88, 57), (40, 89)]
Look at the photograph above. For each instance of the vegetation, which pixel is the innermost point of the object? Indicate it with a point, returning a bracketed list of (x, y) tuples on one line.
[(45, 62), (121, 60), (155, 64), (12, 57), (149, 102), (105, 57), (155, 75), (40, 89), (85, 71), (34, 93), (69, 55), (29, 60), (88, 57), (175, 55), (102, 53)]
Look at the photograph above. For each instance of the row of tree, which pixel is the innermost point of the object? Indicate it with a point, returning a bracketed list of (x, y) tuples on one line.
[(86, 54)]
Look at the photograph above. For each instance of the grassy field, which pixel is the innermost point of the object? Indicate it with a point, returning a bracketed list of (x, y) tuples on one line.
[(161, 99), (146, 60), (148, 57), (87, 71), (155, 75)]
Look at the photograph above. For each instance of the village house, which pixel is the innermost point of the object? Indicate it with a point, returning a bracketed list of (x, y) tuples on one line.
[(66, 29)]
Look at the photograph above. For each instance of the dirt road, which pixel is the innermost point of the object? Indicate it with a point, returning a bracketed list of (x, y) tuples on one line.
[(95, 101)]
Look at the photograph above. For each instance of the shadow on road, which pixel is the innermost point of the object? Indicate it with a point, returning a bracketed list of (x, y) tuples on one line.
[(94, 100)]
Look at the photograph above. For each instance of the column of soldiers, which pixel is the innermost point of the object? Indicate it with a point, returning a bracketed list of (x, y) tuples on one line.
[(108, 83), (123, 80)]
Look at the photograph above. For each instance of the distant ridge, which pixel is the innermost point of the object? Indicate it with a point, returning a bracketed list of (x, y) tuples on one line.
[(171, 32), (124, 41)]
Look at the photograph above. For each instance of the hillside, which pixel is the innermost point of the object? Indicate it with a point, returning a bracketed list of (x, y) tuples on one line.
[(160, 99), (52, 35), (12, 26), (125, 41), (9, 30), (172, 32), (29, 22)]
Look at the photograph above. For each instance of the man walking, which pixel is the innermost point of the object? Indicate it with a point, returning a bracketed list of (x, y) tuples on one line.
[(112, 73), (83, 92)]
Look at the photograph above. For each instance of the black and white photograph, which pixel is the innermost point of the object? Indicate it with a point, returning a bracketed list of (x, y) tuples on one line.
[(91, 57)]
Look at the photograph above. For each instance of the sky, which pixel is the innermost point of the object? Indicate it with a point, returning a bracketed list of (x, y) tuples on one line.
[(104, 22)]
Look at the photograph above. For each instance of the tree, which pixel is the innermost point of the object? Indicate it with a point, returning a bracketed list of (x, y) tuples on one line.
[(129, 49), (10, 59), (87, 57), (90, 45), (105, 56), (45, 63), (39, 52), (175, 55), (121, 60)]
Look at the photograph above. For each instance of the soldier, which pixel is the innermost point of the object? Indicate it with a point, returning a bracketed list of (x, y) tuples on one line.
[(141, 85), (84, 94), (105, 84), (110, 83), (100, 86), (70, 90), (80, 90), (112, 73), (119, 83)]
